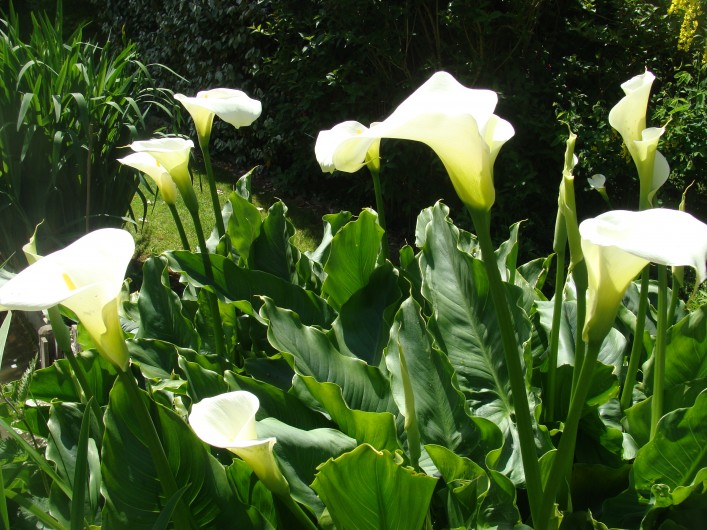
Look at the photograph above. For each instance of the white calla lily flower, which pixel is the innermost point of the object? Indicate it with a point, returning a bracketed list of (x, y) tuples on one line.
[(628, 117), (232, 106), (617, 245), (86, 277), (455, 121), (149, 165), (597, 182), (173, 154), (228, 421)]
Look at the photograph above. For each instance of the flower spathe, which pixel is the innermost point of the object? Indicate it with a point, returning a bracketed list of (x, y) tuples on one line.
[(149, 165), (232, 106), (628, 117), (618, 244), (455, 121), (173, 154), (86, 277), (228, 421)]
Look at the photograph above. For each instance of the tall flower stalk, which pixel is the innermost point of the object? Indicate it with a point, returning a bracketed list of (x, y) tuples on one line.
[(173, 155), (628, 117)]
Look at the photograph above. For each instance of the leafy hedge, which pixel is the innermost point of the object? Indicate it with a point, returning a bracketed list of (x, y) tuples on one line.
[(316, 63)]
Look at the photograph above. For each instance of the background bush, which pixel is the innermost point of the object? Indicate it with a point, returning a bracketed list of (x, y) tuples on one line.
[(315, 63)]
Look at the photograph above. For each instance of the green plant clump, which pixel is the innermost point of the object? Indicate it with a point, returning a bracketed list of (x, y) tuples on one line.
[(66, 106), (251, 385)]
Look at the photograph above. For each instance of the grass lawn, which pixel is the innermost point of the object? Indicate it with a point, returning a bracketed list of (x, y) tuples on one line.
[(156, 232)]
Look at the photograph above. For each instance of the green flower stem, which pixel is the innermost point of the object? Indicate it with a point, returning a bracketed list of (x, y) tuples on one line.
[(180, 227), (637, 346), (220, 228), (559, 246), (63, 339), (674, 297), (210, 296), (659, 350), (296, 510), (182, 517), (561, 465), (581, 283), (375, 174), (531, 467)]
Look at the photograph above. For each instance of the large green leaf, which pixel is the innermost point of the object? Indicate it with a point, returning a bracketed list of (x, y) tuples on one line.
[(370, 490), (374, 428), (277, 403), (132, 490), (332, 224), (238, 284), (676, 455), (362, 327), (273, 251), (160, 309), (466, 329), (467, 485), (676, 397), (203, 382), (58, 383), (312, 353), (439, 405), (352, 259), (243, 225), (299, 454), (65, 422), (685, 352)]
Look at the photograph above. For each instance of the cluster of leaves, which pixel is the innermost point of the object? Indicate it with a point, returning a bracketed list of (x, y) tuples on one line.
[(66, 106), (318, 63), (386, 388)]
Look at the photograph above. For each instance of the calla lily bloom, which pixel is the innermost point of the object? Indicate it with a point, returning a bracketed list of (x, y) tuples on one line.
[(86, 277), (456, 122), (598, 183), (149, 165), (617, 245), (228, 421), (628, 117), (232, 106), (173, 154)]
